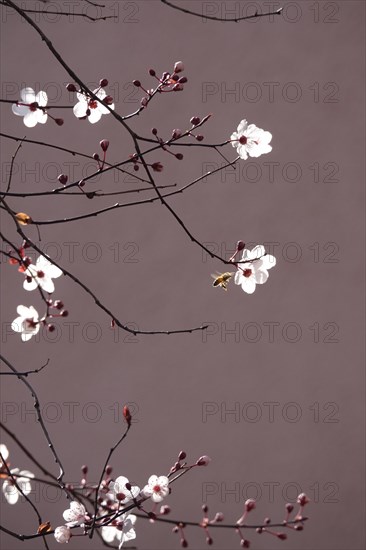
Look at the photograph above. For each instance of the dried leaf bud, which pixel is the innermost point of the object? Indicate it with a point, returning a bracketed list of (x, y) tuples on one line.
[(44, 528), (178, 67), (23, 218), (249, 504), (71, 87), (104, 144), (182, 455), (127, 415), (63, 179), (103, 82)]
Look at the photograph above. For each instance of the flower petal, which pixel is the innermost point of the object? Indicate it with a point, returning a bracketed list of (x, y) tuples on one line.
[(27, 95), (20, 110)]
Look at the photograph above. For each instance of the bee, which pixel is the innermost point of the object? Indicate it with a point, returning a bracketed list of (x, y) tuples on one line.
[(221, 279)]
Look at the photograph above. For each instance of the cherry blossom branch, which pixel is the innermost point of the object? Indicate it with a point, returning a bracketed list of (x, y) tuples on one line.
[(12, 165), (213, 18), (110, 453), (27, 452), (15, 483), (26, 373), (37, 407), (113, 318), (64, 13)]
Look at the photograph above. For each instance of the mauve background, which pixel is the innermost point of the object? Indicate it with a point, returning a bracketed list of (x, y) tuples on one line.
[(162, 280)]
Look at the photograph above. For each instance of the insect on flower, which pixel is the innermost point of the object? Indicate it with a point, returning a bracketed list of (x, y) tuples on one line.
[(221, 279)]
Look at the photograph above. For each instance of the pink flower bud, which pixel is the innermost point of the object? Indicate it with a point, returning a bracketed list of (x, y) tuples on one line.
[(203, 461), (104, 144), (63, 179), (157, 167), (249, 504), (302, 499), (178, 67), (62, 534)]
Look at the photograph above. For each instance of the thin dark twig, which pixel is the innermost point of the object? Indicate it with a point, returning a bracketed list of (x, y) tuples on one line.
[(27, 452), (14, 482), (37, 407), (88, 291), (64, 13), (26, 372), (213, 18), (110, 453), (12, 165)]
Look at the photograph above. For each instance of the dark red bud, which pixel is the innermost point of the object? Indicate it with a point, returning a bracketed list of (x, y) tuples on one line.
[(71, 88), (103, 82)]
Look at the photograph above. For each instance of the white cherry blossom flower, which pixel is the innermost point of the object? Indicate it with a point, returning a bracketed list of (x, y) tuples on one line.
[(157, 488), (119, 492), (28, 107), (4, 454), (250, 140), (255, 269), (11, 491), (76, 514), (122, 532), (62, 534), (95, 108), (41, 274), (27, 323)]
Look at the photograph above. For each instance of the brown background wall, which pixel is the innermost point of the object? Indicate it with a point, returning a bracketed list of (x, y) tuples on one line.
[(310, 373)]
